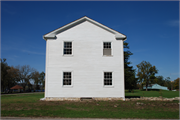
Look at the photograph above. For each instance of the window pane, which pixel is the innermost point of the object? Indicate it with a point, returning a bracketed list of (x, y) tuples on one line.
[(107, 45), (67, 47), (67, 44), (107, 48), (110, 83), (107, 78), (67, 78)]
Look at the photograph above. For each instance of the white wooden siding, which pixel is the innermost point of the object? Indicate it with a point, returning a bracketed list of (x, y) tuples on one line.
[(87, 63)]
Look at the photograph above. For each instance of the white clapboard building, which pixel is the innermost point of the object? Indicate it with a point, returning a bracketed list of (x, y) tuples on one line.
[(84, 59)]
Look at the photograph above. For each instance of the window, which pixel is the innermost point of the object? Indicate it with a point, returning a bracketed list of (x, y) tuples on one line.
[(107, 78), (66, 78), (67, 48), (107, 48)]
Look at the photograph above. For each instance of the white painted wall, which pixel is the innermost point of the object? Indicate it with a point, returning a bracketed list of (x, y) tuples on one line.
[(87, 63)]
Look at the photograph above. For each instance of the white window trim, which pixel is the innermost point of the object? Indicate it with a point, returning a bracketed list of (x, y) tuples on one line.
[(111, 49), (67, 86), (66, 55), (108, 86)]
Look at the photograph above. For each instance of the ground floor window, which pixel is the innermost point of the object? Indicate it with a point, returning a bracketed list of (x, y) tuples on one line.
[(107, 78), (67, 78)]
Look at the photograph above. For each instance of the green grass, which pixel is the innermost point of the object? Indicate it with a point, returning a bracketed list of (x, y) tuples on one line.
[(163, 93), (28, 105)]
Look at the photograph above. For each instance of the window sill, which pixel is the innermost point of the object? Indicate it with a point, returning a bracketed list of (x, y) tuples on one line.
[(107, 55), (108, 86), (67, 86), (67, 55)]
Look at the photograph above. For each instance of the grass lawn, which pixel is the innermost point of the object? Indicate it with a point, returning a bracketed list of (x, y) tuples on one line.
[(28, 105), (163, 93)]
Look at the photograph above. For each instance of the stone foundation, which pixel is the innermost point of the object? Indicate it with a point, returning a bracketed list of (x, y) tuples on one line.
[(153, 99), (79, 99), (61, 99), (107, 99)]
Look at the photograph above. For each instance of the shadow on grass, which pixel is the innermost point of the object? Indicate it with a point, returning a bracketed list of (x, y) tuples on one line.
[(132, 96)]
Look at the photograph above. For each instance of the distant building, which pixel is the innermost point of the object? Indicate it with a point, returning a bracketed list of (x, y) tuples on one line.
[(155, 87)]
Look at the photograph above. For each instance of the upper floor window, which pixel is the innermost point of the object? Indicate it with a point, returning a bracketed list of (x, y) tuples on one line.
[(107, 48), (67, 48)]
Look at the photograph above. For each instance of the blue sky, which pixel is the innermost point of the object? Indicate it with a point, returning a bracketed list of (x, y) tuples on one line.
[(152, 29)]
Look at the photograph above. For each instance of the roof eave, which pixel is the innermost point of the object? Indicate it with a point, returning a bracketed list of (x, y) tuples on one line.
[(120, 37), (52, 34), (49, 36)]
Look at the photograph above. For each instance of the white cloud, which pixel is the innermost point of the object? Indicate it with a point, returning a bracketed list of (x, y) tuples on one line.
[(31, 52), (174, 23)]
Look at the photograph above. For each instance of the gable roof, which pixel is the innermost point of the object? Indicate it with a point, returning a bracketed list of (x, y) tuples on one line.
[(155, 86), (52, 34), (16, 87)]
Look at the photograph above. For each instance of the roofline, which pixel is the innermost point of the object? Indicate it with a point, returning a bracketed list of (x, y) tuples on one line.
[(62, 26), (52, 34)]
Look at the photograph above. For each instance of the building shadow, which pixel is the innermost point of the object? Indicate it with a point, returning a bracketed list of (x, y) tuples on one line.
[(132, 96)]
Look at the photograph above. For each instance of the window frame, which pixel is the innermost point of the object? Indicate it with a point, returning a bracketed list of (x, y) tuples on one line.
[(71, 48), (67, 86), (108, 86)]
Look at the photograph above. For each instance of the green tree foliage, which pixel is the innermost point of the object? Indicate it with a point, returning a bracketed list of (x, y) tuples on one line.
[(35, 77), (145, 72), (9, 75), (12, 78), (160, 80), (13, 74), (42, 79), (130, 80), (167, 83), (176, 83), (38, 78), (4, 74)]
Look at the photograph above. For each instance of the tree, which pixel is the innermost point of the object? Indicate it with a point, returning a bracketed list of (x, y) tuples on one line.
[(176, 83), (4, 74), (39, 79), (145, 71), (9, 75), (42, 79), (130, 80), (35, 77), (160, 80), (25, 75), (167, 82), (12, 76)]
